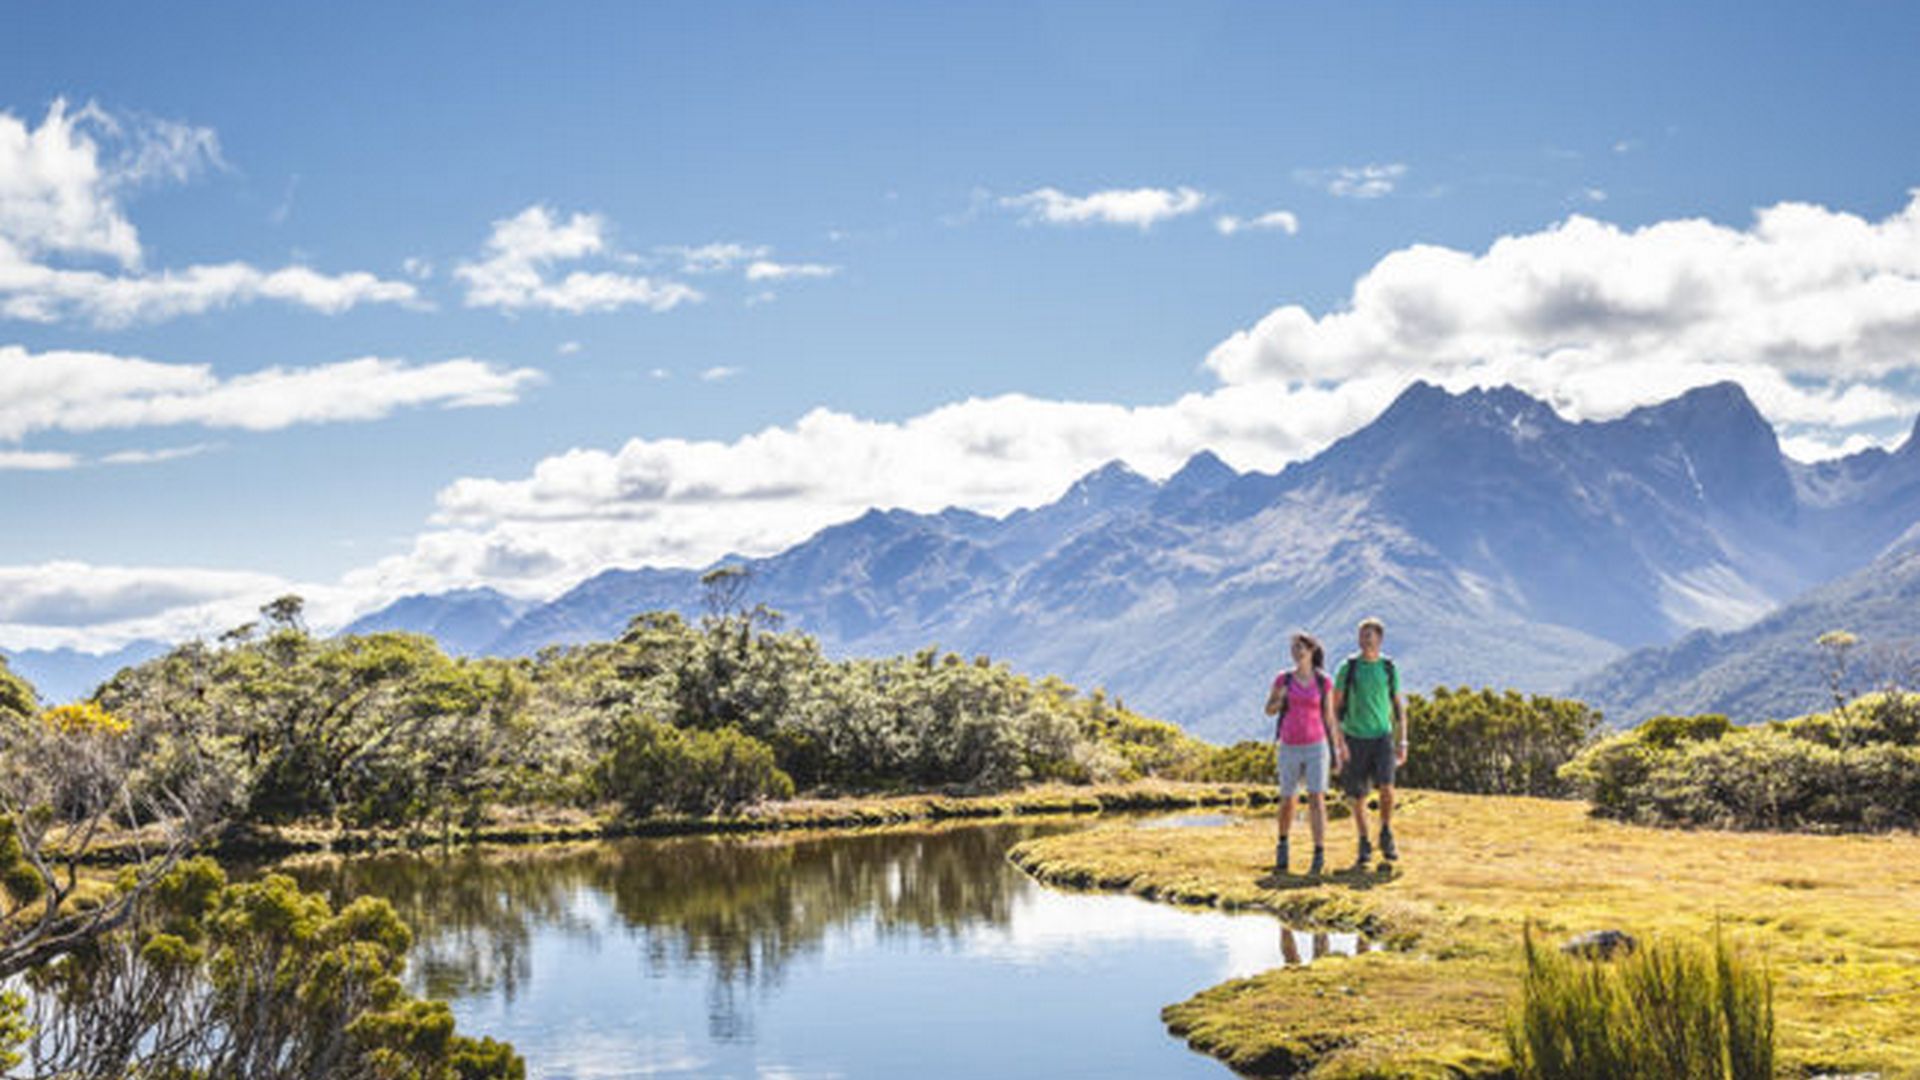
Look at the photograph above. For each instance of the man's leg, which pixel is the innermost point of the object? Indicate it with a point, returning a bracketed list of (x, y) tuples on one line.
[(1388, 848)]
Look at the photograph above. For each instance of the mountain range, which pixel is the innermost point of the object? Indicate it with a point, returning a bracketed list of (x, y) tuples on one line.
[(1672, 559), (1504, 545)]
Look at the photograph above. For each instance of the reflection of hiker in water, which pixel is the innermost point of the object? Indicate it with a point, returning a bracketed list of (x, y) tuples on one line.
[(1302, 700), (1373, 716)]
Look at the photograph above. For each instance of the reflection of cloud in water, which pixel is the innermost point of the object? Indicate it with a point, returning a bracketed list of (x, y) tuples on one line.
[(582, 1053), (1048, 927)]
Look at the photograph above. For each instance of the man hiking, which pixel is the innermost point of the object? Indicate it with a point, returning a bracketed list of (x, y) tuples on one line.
[(1373, 716)]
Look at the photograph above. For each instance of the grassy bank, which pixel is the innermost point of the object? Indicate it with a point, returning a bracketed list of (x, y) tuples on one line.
[(1836, 917), (543, 825)]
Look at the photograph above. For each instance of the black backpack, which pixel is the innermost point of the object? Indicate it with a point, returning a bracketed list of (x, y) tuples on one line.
[(1346, 682)]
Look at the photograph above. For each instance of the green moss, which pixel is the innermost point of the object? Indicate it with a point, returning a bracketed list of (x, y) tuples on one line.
[(1833, 916)]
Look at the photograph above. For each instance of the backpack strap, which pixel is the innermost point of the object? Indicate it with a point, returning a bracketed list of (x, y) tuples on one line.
[(1393, 678)]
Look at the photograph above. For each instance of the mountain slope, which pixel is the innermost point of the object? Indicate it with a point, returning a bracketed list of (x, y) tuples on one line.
[(1772, 669), (1503, 544), (63, 675)]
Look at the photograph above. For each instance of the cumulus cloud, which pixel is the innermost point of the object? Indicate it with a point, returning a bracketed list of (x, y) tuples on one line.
[(1809, 308), (67, 390), (512, 272), (61, 191), (1281, 220), (1141, 208), (95, 608), (1355, 181), (686, 502)]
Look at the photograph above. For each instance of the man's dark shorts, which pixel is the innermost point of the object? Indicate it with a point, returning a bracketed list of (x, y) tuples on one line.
[(1369, 764)]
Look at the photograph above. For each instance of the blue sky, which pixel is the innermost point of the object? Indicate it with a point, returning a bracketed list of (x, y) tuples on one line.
[(949, 204)]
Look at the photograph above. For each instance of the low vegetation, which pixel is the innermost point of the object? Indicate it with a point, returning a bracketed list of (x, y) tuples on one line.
[(1854, 767), (1671, 1010), (1832, 917), (1476, 741)]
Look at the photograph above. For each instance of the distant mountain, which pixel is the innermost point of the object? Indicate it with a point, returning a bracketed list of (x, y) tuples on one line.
[(1504, 545), (1772, 670), (464, 621), (63, 675)]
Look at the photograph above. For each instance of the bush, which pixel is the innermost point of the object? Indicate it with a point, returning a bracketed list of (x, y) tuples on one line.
[(1246, 762), (1670, 1011), (1853, 768), (655, 766), (1487, 743), (258, 979)]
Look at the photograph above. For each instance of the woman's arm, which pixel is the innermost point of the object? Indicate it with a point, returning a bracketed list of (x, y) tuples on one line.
[(1276, 698), (1335, 737)]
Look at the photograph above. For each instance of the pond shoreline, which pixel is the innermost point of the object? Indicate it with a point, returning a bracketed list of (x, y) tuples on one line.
[(269, 841), (1832, 915)]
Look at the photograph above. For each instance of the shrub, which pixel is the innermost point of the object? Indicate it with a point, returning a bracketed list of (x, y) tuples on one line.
[(1487, 743), (1246, 762), (1853, 768), (655, 766), (1674, 1010)]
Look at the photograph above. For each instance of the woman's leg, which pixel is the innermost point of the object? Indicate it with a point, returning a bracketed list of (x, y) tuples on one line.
[(1317, 817), (1286, 812)]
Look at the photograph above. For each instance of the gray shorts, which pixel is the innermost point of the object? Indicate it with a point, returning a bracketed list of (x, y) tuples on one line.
[(1302, 765)]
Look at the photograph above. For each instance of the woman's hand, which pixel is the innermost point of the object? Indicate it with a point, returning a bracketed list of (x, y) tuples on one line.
[(1339, 753)]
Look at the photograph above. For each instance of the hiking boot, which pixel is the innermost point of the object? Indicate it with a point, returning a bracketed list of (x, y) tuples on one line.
[(1280, 856), (1387, 850), (1319, 862), (1365, 858)]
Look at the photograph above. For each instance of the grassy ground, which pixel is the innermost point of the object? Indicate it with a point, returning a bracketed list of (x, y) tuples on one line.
[(1836, 917)]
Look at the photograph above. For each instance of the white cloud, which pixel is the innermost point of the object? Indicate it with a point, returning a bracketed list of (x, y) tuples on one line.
[(512, 274), (716, 257), (36, 460), (1141, 208), (416, 267), (1282, 220), (96, 608), (686, 502), (660, 373), (91, 391), (61, 186), (155, 455), (1356, 181), (1809, 308), (768, 270), (718, 373), (1594, 194), (567, 348)]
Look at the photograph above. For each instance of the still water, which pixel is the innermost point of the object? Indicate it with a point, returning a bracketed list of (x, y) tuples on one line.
[(919, 953)]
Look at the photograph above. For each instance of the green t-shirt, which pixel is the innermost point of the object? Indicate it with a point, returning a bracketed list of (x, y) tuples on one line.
[(1368, 712)]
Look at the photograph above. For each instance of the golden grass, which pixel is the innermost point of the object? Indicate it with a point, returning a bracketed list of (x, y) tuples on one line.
[(1836, 917)]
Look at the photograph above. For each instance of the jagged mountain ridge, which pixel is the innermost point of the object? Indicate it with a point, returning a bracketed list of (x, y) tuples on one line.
[(1504, 544)]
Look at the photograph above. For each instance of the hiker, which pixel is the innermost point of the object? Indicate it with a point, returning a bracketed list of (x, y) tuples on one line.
[(1373, 717), (1302, 699)]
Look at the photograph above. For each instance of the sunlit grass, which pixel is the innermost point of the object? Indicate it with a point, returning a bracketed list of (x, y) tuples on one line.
[(1836, 919)]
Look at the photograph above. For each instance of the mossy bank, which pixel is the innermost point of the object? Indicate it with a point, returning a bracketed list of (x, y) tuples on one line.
[(1837, 919)]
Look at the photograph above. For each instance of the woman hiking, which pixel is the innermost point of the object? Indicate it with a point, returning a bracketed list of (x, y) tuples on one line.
[(1305, 737)]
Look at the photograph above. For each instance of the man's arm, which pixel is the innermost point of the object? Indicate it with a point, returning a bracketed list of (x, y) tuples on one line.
[(1400, 729)]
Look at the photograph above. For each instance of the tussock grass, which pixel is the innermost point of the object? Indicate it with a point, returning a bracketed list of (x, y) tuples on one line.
[(1838, 918), (1674, 1010)]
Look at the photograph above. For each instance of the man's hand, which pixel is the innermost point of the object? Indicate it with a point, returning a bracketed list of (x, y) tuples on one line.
[(1340, 754), (1400, 753)]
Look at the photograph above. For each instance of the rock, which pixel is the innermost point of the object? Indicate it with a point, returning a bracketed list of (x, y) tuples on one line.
[(1600, 944)]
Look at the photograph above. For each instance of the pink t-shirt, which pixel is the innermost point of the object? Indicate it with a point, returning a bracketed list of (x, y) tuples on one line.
[(1300, 723)]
